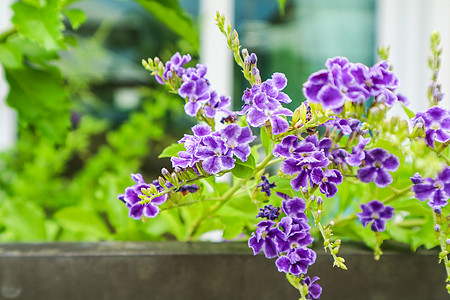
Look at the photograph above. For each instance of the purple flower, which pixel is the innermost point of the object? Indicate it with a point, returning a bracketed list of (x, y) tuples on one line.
[(303, 167), (237, 140), (327, 180), (174, 66), (314, 289), (378, 82), (290, 147), (269, 212), (294, 208), (216, 104), (346, 126), (215, 156), (378, 162), (264, 239), (214, 149), (266, 186), (437, 125), (133, 195), (296, 232), (196, 89), (355, 159), (437, 191), (296, 261), (343, 81), (262, 103), (377, 213)]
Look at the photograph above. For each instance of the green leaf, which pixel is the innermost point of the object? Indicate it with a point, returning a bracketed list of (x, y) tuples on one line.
[(41, 24), (244, 169), (40, 99), (172, 150), (170, 13), (76, 17), (24, 220), (10, 56), (232, 227), (76, 219), (266, 141), (409, 112)]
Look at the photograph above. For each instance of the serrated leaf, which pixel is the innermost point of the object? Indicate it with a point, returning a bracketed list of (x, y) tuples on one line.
[(76, 17), (10, 56), (76, 219), (244, 169), (40, 99), (41, 24), (170, 13), (172, 150)]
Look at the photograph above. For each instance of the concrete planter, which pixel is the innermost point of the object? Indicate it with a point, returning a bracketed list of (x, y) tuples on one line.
[(172, 270)]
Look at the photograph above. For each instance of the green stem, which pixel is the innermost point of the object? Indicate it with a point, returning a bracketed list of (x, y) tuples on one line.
[(444, 252), (228, 195), (397, 194)]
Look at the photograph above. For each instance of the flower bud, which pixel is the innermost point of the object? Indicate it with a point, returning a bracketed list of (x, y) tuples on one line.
[(437, 228)]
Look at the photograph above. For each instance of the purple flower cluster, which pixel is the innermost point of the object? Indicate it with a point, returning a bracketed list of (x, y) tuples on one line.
[(437, 191), (377, 164), (288, 240), (345, 81), (262, 103), (377, 213), (437, 125), (195, 88), (133, 196), (269, 212), (307, 160), (214, 150)]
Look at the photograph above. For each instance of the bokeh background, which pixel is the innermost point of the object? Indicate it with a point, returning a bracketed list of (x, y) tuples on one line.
[(121, 119)]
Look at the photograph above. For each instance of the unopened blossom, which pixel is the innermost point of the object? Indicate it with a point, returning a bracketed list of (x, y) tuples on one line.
[(266, 186), (377, 213), (262, 103), (327, 180), (269, 212), (296, 261), (379, 163), (314, 289), (436, 191), (264, 238), (132, 200), (437, 125)]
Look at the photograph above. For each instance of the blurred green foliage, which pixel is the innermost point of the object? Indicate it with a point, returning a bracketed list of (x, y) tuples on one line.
[(61, 180)]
